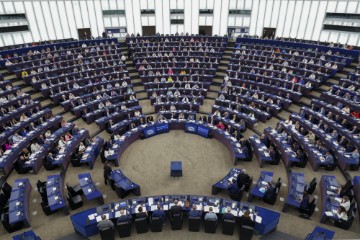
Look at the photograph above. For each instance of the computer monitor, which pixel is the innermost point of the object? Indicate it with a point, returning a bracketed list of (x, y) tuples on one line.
[(246, 206), (103, 209)]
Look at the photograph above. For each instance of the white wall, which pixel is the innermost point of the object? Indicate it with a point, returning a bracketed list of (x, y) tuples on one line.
[(50, 19)]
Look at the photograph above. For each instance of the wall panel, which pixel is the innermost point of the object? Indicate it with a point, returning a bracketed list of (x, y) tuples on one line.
[(50, 19)]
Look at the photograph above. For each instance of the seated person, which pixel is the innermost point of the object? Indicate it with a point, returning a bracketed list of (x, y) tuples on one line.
[(81, 149), (141, 213), (124, 217), (210, 215), (245, 220), (242, 179), (105, 223), (194, 213), (228, 215), (233, 187), (49, 158), (159, 213), (220, 125), (345, 202), (67, 136), (305, 202), (175, 209), (342, 214)]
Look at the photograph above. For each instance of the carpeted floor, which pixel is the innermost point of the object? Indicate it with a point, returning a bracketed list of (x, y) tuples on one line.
[(147, 162)]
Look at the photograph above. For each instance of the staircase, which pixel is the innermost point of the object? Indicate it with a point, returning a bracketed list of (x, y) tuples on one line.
[(215, 86), (139, 89)]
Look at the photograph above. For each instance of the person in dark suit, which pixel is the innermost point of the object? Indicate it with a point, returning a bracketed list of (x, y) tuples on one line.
[(123, 217), (327, 129), (228, 215), (233, 187), (107, 171), (175, 209), (194, 213), (305, 202), (49, 158), (141, 213), (300, 155), (242, 179), (245, 220), (349, 147), (159, 213), (75, 130), (290, 140), (41, 139)]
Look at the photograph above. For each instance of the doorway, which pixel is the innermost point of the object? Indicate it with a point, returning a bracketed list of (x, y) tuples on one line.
[(149, 30), (84, 33), (269, 33), (205, 30)]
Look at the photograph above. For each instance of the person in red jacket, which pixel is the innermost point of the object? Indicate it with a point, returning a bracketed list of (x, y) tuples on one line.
[(220, 125)]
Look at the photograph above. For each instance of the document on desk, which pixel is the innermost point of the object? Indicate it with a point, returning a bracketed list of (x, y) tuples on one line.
[(329, 193), (91, 217), (230, 179), (329, 214), (258, 219)]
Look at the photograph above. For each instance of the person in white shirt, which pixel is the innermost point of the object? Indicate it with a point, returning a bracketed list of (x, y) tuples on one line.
[(117, 137), (23, 117), (61, 143), (345, 202), (34, 147), (342, 214), (81, 148), (346, 109)]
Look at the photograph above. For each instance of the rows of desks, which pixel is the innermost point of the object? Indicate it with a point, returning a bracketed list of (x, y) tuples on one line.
[(85, 222)]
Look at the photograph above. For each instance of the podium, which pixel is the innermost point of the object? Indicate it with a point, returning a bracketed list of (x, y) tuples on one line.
[(176, 169)]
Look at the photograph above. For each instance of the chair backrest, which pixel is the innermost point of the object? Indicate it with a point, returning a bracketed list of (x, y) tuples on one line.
[(6, 188), (353, 207), (124, 229), (246, 232), (210, 225), (107, 234), (156, 224), (345, 224), (228, 226), (176, 222), (312, 186), (312, 207), (141, 225), (194, 224)]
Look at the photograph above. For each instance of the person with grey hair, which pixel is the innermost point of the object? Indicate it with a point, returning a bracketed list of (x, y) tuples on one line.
[(228, 215), (105, 223), (210, 215), (194, 212)]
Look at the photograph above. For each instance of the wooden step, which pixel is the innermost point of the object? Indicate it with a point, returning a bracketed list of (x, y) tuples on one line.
[(212, 95), (146, 106), (93, 127), (141, 95), (45, 102), (207, 106), (17, 83), (36, 95), (139, 88), (215, 88), (57, 110)]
